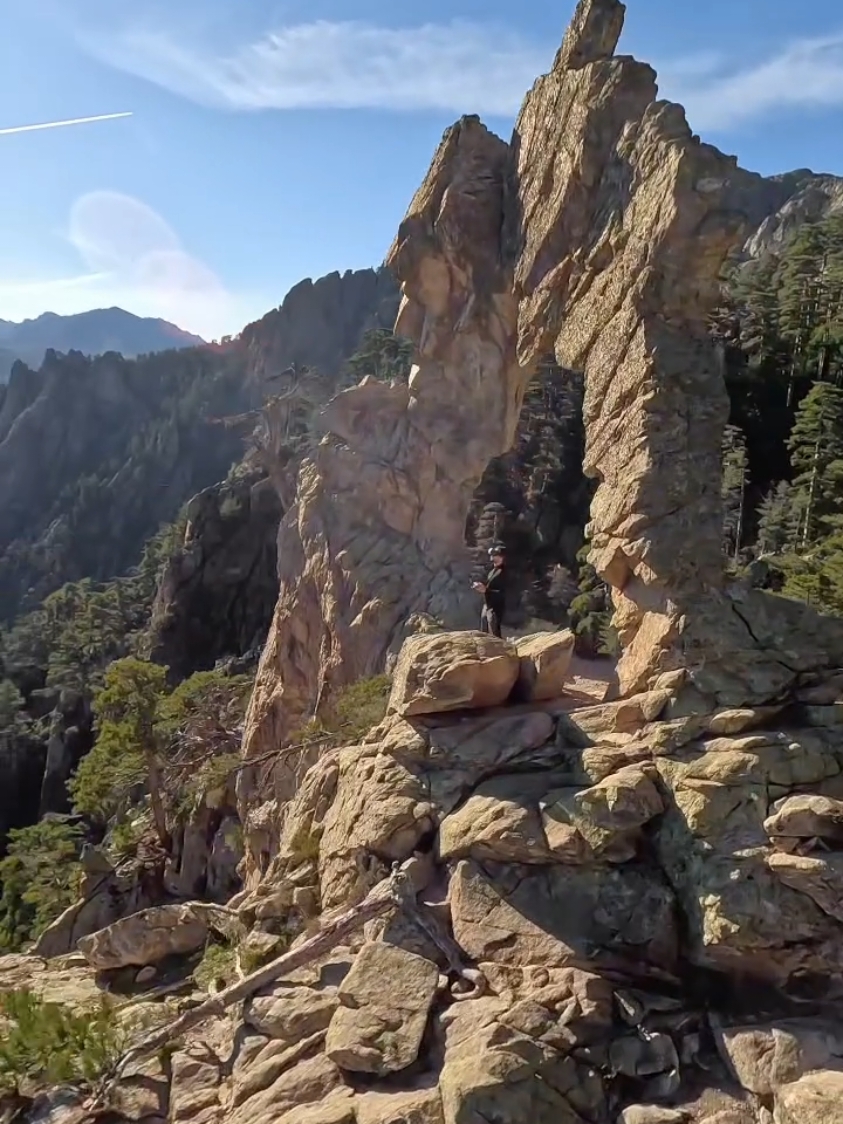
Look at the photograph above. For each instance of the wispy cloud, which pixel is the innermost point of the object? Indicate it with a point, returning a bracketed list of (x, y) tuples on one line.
[(131, 257), (458, 67), (61, 124), (806, 74)]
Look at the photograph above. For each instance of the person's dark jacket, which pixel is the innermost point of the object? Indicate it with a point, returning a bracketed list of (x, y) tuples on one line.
[(495, 595)]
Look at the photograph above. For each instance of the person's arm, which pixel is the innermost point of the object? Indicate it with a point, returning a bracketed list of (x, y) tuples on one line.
[(496, 584)]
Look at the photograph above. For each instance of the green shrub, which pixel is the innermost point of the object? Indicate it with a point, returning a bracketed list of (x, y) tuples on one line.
[(126, 745), (348, 716), (590, 612), (218, 963), (360, 706), (48, 1044), (41, 876), (126, 836)]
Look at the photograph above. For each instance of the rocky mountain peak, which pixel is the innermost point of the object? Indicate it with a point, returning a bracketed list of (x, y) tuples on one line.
[(536, 890), (593, 34), (597, 235)]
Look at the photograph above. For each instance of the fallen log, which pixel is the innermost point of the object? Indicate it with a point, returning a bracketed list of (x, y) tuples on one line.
[(392, 892)]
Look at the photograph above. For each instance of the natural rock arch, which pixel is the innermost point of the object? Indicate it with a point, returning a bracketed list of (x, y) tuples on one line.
[(598, 233)]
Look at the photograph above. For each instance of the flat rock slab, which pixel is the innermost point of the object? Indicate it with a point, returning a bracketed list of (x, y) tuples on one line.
[(557, 915), (385, 1000)]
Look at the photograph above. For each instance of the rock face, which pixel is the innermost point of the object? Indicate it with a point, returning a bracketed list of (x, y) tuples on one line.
[(320, 323), (597, 234), (545, 660), (216, 596), (384, 1004)]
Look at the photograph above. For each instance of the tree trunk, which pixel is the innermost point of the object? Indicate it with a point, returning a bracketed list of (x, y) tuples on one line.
[(386, 895), (156, 803), (812, 491), (739, 527)]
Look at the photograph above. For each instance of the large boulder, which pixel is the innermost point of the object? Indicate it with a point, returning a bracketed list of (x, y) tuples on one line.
[(151, 935), (816, 1098), (807, 816), (384, 1003), (452, 671), (545, 663)]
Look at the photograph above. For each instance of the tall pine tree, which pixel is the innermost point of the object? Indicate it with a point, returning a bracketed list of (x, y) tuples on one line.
[(733, 488), (778, 519), (816, 453)]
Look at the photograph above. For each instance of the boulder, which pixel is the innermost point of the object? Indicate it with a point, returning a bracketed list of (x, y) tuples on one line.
[(452, 671), (766, 1058), (545, 663), (194, 1088), (816, 1098), (653, 1114), (806, 816), (296, 1091), (820, 879), (609, 813), (384, 1003), (561, 915), (145, 937), (380, 807), (416, 1106), (292, 1013), (500, 821)]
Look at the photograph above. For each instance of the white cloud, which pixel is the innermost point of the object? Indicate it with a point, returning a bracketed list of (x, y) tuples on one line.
[(460, 67), (804, 75), (131, 258)]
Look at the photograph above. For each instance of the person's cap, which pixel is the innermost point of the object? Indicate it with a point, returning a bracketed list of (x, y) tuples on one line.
[(497, 548)]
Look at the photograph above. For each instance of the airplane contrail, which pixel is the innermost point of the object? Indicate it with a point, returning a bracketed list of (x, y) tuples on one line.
[(61, 124)]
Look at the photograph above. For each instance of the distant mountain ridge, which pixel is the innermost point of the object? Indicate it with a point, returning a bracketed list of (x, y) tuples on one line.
[(97, 453), (93, 333)]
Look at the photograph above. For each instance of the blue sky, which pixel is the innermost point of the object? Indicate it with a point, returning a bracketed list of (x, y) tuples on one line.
[(274, 141)]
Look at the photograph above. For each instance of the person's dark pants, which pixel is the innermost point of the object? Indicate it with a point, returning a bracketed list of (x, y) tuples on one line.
[(490, 621)]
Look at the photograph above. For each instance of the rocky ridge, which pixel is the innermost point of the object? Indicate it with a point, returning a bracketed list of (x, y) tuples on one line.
[(623, 905), (131, 442), (92, 333), (620, 912), (597, 234)]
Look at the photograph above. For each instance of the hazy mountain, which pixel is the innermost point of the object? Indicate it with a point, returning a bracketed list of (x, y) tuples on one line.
[(92, 333), (97, 453)]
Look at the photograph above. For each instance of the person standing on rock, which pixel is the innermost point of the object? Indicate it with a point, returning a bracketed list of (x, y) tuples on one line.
[(494, 591)]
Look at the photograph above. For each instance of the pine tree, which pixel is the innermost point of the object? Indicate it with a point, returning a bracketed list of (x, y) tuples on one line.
[(591, 609), (755, 292), (816, 452), (777, 520), (382, 355), (733, 488), (810, 293)]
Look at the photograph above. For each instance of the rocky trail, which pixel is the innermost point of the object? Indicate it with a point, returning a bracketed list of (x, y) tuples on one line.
[(565, 892)]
